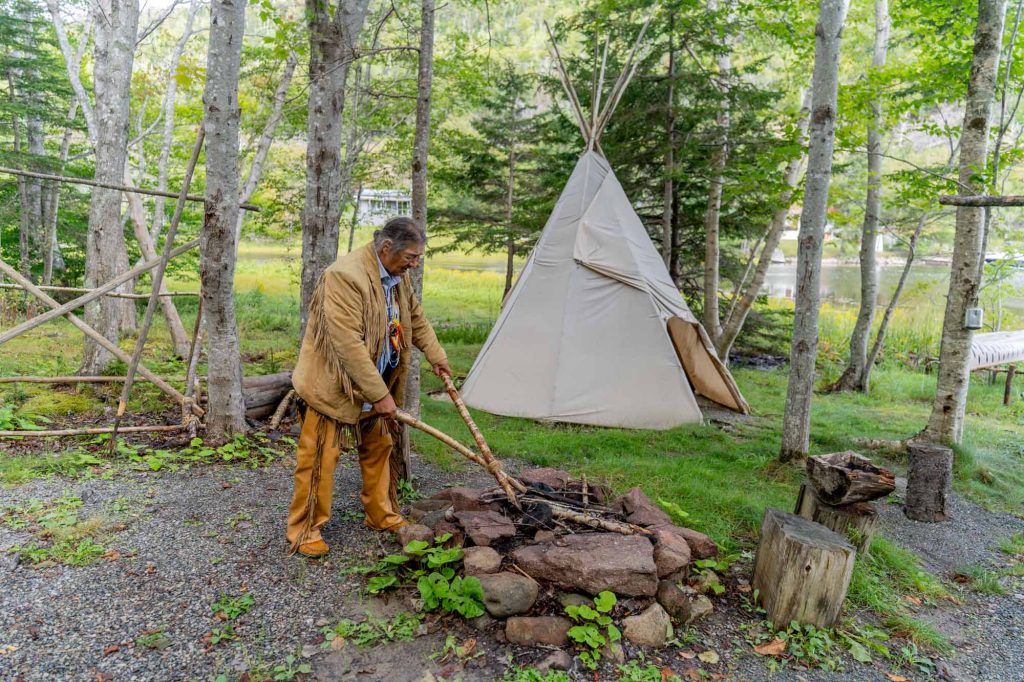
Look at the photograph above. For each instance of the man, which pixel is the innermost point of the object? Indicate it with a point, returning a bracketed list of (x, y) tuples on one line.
[(363, 321)]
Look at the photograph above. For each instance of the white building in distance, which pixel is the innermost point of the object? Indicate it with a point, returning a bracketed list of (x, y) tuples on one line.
[(377, 206)]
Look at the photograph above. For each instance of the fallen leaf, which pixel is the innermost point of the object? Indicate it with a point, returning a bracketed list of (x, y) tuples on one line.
[(913, 600), (745, 588), (687, 654), (112, 555), (667, 674), (220, 615), (692, 674), (776, 647), (710, 656), (337, 643), (113, 648), (225, 485), (898, 678), (103, 677), (467, 648)]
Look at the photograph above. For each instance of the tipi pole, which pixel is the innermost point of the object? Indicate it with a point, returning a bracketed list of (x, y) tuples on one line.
[(620, 85), (158, 278), (569, 89)]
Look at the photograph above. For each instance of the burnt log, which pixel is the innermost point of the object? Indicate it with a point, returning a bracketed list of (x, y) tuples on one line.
[(846, 477), (802, 570), (856, 522)]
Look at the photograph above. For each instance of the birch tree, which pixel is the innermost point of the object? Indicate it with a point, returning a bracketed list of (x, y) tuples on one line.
[(115, 29), (222, 115), (945, 425), (855, 376), (333, 30), (824, 89)]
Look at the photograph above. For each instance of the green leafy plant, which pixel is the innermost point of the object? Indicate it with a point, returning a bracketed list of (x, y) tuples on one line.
[(636, 671), (811, 646), (407, 492), (222, 634), (232, 607), (371, 631), (288, 670), (533, 675), (594, 628), (910, 658), (677, 513), (864, 640), (432, 568), (11, 421)]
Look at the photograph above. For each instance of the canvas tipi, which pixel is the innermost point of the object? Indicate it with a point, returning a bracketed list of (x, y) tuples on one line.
[(595, 331)]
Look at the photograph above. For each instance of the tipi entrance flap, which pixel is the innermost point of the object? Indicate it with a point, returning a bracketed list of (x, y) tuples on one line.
[(701, 369)]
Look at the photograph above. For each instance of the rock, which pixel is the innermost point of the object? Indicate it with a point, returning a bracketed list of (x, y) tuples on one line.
[(671, 553), (508, 594), (559, 660), (447, 527), (594, 562), (415, 531), (481, 623), (639, 509), (651, 628), (485, 528), (701, 546), (574, 599), (700, 606), (420, 508), (431, 519), (674, 600), (614, 652), (544, 536), (556, 478), (481, 561), (463, 499), (539, 630)]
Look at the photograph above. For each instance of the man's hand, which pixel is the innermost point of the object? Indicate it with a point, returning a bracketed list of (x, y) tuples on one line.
[(442, 369), (386, 407)]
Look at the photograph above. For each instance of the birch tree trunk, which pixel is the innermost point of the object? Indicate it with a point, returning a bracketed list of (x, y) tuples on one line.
[(796, 425), (332, 39), (854, 376), (421, 142), (509, 203), (252, 179), (115, 29), (670, 147), (713, 211), (947, 418), (738, 314), (226, 414)]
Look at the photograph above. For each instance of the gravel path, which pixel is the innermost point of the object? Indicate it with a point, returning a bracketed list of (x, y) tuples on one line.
[(193, 536)]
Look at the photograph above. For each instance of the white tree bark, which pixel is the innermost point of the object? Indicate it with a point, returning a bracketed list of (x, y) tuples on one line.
[(420, 146), (170, 98), (115, 28), (946, 422), (252, 179), (668, 192), (713, 211), (854, 376), (737, 317), (332, 40), (824, 89), (222, 115)]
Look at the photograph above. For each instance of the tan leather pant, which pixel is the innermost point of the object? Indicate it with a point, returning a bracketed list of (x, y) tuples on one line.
[(310, 509)]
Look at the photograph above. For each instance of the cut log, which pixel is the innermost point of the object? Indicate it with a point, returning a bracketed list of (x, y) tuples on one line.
[(929, 481), (856, 522), (802, 570), (846, 477)]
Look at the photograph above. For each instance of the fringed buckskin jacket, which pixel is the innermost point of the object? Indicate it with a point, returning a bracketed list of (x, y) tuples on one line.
[(345, 333)]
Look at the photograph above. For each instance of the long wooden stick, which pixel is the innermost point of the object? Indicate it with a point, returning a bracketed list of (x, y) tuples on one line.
[(107, 185), (485, 449), (87, 432), (191, 382), (113, 348), (74, 379), (499, 474), (109, 294), (158, 280), (59, 310)]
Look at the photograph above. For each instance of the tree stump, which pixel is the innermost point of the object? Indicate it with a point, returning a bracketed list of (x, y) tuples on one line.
[(802, 570), (929, 482), (846, 477), (856, 522)]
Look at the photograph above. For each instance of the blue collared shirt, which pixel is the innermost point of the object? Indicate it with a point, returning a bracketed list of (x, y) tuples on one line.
[(389, 357)]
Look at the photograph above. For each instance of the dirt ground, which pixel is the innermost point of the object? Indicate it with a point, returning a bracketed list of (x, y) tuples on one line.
[(181, 542)]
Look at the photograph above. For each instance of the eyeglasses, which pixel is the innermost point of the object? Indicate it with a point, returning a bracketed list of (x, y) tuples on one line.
[(411, 258)]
